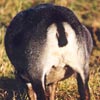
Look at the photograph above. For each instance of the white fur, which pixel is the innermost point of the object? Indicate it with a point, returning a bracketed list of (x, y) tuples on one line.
[(29, 85), (70, 54)]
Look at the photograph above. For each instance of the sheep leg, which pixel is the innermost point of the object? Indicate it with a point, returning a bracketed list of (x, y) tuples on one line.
[(52, 89), (38, 89), (31, 92), (82, 80)]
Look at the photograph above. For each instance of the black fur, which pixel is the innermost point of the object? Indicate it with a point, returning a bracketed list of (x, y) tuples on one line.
[(28, 30), (26, 36), (62, 41)]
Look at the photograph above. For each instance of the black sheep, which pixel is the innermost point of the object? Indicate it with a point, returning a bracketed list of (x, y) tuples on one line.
[(46, 40)]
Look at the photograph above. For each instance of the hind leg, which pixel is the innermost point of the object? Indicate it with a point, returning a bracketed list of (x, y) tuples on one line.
[(83, 88), (82, 80), (52, 88), (38, 89), (31, 92)]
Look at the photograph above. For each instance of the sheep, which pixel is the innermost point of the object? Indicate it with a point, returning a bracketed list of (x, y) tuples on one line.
[(46, 44)]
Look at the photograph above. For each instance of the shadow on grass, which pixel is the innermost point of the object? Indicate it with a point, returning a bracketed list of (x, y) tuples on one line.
[(12, 89)]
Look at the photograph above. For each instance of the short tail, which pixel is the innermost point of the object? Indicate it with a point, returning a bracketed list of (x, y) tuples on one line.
[(62, 40)]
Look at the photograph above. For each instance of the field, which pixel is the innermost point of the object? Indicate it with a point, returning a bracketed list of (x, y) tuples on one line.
[(88, 14)]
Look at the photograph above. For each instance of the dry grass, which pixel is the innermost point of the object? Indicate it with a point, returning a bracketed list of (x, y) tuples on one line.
[(67, 90)]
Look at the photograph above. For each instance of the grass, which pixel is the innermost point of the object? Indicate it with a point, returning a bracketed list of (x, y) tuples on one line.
[(10, 89), (66, 90)]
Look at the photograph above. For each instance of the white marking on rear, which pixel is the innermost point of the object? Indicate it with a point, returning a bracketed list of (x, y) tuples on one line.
[(70, 54)]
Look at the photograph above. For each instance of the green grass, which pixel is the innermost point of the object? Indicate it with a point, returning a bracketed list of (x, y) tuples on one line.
[(10, 89)]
